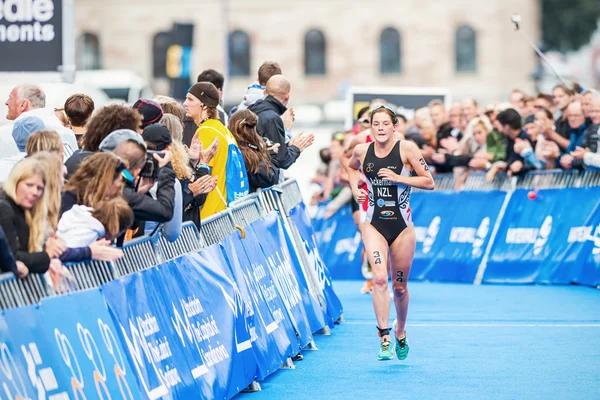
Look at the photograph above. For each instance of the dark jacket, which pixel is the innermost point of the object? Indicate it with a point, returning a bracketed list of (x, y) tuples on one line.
[(576, 137), (7, 260), (562, 127), (270, 126), (191, 204), (512, 155), (590, 140), (264, 178), (12, 221), (145, 208), (445, 131)]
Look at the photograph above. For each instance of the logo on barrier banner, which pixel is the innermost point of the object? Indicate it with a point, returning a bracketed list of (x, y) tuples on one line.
[(581, 234), (536, 236), (428, 235), (348, 245), (476, 236)]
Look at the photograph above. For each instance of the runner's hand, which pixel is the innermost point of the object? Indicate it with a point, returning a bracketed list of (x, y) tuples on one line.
[(388, 174), (360, 195)]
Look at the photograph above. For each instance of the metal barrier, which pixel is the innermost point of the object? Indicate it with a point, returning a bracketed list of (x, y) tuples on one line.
[(139, 254), (15, 292), (217, 227), (289, 194), (189, 241), (246, 211), (92, 274), (476, 182)]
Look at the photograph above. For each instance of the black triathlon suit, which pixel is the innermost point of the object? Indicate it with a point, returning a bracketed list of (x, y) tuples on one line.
[(389, 208)]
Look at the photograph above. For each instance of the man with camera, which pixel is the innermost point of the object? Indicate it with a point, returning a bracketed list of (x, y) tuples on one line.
[(145, 170)]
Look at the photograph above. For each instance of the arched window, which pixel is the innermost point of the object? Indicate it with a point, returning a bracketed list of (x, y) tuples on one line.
[(314, 53), (466, 49), (88, 51), (160, 46), (239, 53), (390, 51)]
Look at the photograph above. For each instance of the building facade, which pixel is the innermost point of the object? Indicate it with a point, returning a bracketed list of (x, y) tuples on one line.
[(323, 46)]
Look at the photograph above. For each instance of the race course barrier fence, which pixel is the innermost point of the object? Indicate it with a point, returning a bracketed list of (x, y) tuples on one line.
[(544, 230), (207, 316)]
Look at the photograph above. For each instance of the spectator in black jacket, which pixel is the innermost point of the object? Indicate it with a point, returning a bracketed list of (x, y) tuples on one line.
[(512, 129), (23, 216), (563, 96), (261, 162), (130, 147), (271, 126)]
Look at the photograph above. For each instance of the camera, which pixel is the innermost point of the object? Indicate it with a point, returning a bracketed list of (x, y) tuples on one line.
[(268, 142), (150, 169)]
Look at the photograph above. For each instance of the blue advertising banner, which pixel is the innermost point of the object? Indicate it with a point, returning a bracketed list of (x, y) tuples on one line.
[(453, 231), (211, 321), (185, 339), (150, 341), (86, 340), (287, 278), (301, 220), (547, 239), (30, 366), (272, 332), (340, 243)]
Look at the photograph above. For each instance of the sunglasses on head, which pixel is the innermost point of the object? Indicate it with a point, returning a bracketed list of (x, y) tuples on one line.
[(379, 107)]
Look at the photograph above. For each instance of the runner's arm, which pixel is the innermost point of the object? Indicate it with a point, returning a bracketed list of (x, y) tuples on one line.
[(423, 178)]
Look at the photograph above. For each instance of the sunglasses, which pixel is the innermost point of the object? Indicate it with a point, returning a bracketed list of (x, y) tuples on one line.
[(379, 107), (364, 120)]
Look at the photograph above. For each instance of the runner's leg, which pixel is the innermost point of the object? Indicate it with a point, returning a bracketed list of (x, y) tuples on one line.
[(402, 253), (377, 253)]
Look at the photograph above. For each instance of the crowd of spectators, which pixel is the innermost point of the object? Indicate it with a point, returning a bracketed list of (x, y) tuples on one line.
[(77, 182), (525, 133)]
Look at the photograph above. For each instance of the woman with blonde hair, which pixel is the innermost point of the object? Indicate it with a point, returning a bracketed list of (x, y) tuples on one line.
[(23, 215), (45, 141), (261, 163)]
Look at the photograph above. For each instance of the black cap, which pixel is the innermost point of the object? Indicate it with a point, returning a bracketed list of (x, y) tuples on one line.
[(206, 92), (151, 111), (158, 135)]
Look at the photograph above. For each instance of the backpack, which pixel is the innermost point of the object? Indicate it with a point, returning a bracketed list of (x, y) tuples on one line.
[(236, 184)]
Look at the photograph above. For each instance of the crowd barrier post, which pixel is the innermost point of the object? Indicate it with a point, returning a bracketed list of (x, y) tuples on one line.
[(283, 198)]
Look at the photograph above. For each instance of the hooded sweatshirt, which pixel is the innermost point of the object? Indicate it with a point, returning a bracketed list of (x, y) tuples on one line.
[(78, 228), (254, 93)]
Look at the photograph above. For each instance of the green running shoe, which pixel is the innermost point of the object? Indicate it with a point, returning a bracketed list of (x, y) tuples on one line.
[(402, 348), (401, 344), (385, 353)]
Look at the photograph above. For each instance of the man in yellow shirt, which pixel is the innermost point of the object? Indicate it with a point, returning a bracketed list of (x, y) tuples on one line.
[(201, 105)]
